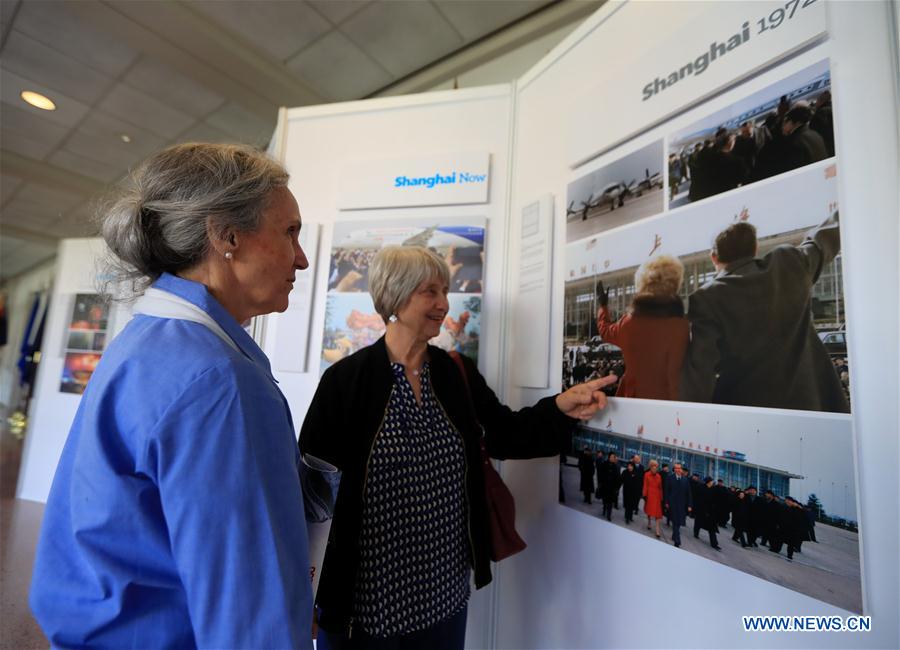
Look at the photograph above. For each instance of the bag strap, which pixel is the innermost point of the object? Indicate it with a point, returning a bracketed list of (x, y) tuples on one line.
[(457, 359)]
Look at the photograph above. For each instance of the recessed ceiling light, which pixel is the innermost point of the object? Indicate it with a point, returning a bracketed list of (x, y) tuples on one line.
[(125, 137), (38, 100)]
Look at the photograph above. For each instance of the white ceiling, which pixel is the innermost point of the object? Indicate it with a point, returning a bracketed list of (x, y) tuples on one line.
[(166, 71)]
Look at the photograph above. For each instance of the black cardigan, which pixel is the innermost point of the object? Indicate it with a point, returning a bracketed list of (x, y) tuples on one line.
[(347, 412)]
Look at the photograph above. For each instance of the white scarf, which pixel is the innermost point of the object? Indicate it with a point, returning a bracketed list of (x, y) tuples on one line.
[(156, 302)]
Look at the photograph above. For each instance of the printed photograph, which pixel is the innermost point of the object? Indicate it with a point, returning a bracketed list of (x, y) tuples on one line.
[(737, 301), (85, 341), (77, 370), (783, 127), (770, 495), (621, 192), (356, 243), (90, 312), (351, 322)]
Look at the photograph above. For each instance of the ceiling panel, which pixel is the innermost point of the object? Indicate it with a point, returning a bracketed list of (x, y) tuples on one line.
[(338, 10), (25, 216), (24, 145), (102, 150), (7, 9), (8, 186), (41, 198), (278, 28), (33, 125), (26, 56), (141, 109), (56, 25), (338, 69), (243, 124), (402, 35), (17, 255), (203, 132), (475, 18), (80, 165), (173, 88), (79, 223), (69, 112), (106, 131)]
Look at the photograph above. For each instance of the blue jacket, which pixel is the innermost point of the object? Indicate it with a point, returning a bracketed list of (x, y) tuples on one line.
[(176, 517)]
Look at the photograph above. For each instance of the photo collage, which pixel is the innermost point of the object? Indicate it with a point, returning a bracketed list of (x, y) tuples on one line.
[(351, 322), (703, 269)]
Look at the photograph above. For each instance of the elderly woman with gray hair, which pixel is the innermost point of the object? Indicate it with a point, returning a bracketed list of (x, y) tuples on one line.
[(176, 516), (653, 334), (410, 519)]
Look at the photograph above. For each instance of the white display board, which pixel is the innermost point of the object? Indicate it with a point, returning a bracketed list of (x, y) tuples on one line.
[(584, 583), (321, 145)]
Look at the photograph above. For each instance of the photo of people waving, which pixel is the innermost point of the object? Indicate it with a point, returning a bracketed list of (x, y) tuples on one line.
[(740, 301)]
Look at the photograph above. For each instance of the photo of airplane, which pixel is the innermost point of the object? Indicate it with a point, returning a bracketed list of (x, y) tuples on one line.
[(605, 198)]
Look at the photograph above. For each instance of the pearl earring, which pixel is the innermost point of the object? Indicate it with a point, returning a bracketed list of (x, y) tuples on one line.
[(392, 318), (229, 255)]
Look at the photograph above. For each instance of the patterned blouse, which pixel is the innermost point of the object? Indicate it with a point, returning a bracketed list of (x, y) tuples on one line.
[(414, 549)]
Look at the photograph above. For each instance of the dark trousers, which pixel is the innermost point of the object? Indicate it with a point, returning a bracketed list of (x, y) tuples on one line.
[(713, 540), (676, 534), (740, 536), (449, 634), (607, 508)]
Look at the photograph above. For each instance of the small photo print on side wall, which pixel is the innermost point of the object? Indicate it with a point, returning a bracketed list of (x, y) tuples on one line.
[(85, 341), (351, 322), (624, 191)]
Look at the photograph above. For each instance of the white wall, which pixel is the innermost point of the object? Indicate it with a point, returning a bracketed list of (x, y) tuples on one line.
[(20, 293), (585, 584)]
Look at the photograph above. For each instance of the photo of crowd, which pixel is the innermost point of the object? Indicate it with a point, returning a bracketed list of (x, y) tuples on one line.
[(783, 127), (721, 507)]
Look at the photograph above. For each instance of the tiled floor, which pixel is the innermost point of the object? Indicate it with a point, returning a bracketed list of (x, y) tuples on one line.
[(20, 522)]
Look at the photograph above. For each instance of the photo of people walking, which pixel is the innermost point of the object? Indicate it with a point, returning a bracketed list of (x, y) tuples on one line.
[(760, 520)]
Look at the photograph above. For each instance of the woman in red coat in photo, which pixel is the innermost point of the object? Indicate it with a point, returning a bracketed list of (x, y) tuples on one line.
[(653, 334), (653, 495)]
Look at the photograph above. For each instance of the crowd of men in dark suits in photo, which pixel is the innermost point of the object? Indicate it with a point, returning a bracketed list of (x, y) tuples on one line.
[(791, 136), (756, 520)]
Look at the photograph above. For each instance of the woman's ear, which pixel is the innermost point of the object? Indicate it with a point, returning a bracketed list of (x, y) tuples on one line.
[(223, 242)]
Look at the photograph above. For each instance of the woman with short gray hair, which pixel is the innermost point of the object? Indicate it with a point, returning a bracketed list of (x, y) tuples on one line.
[(653, 334), (405, 427), (176, 516)]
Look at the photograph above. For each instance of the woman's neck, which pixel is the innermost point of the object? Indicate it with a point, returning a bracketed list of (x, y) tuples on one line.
[(405, 348)]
